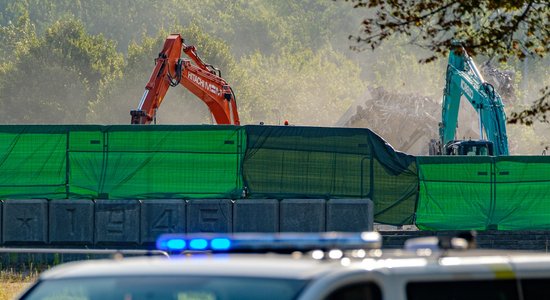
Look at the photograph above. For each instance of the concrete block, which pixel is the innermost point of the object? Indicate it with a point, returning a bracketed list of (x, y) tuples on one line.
[(25, 221), (302, 215), (161, 216), (209, 215), (1, 234), (71, 222), (117, 221), (350, 215), (256, 215)]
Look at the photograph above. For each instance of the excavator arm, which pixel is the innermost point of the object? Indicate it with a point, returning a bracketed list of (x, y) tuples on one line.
[(201, 79), (463, 79)]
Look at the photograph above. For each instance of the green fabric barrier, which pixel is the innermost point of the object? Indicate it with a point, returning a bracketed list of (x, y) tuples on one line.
[(33, 162), (158, 162), (522, 198), (394, 196), (316, 162), (86, 161), (148, 162), (121, 162), (504, 193), (455, 192)]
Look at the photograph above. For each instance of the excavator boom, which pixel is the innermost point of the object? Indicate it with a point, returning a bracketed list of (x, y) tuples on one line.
[(464, 80), (201, 79)]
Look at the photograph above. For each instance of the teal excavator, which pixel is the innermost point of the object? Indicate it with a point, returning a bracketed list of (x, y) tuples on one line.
[(464, 79)]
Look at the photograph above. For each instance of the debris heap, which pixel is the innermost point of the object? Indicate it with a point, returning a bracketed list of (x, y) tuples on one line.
[(407, 121)]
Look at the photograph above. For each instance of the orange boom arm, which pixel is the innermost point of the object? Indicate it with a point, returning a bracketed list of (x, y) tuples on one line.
[(203, 80)]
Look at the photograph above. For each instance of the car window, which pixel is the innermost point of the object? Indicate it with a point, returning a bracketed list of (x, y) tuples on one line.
[(534, 289), (463, 290), (357, 291), (164, 287)]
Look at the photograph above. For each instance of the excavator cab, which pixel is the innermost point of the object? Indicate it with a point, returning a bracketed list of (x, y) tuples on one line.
[(470, 147)]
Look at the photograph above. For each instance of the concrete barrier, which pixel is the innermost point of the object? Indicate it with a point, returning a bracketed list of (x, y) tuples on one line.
[(256, 215), (161, 216), (25, 221), (71, 222), (1, 233), (209, 215), (134, 223), (302, 215), (350, 215), (117, 222)]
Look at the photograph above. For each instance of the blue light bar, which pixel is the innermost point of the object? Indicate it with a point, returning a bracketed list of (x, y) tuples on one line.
[(198, 244), (220, 244), (251, 242), (176, 244)]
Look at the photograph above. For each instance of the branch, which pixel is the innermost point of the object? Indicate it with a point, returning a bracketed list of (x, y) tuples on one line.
[(537, 111), (421, 17)]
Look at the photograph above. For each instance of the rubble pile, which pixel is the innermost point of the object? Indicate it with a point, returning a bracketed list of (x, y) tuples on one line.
[(503, 81), (406, 121)]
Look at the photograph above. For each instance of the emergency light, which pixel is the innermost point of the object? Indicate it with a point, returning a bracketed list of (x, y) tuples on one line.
[(263, 242)]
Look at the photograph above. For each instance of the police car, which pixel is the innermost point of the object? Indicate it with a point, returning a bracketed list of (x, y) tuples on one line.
[(302, 266)]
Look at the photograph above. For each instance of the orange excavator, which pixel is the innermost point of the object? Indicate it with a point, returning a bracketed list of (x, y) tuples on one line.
[(202, 79)]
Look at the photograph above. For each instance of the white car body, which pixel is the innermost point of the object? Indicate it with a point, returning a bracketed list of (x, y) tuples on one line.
[(394, 273)]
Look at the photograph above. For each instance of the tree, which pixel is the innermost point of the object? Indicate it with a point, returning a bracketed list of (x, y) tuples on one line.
[(503, 29), (16, 39), (305, 87), (58, 76)]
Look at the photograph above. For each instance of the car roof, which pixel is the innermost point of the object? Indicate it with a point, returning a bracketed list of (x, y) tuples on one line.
[(494, 262), (235, 265), (302, 267)]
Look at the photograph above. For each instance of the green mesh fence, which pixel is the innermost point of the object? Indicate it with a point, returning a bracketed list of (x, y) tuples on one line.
[(315, 162), (161, 162), (505, 193), (148, 162), (454, 191), (522, 198), (33, 162), (121, 162)]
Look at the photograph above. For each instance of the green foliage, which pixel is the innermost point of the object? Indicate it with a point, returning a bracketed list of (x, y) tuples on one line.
[(396, 69), (118, 20), (501, 28), (271, 26), (227, 34), (16, 39), (58, 76), (306, 88)]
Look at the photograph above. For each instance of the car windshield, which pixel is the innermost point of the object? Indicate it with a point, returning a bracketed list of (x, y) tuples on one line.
[(167, 287)]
